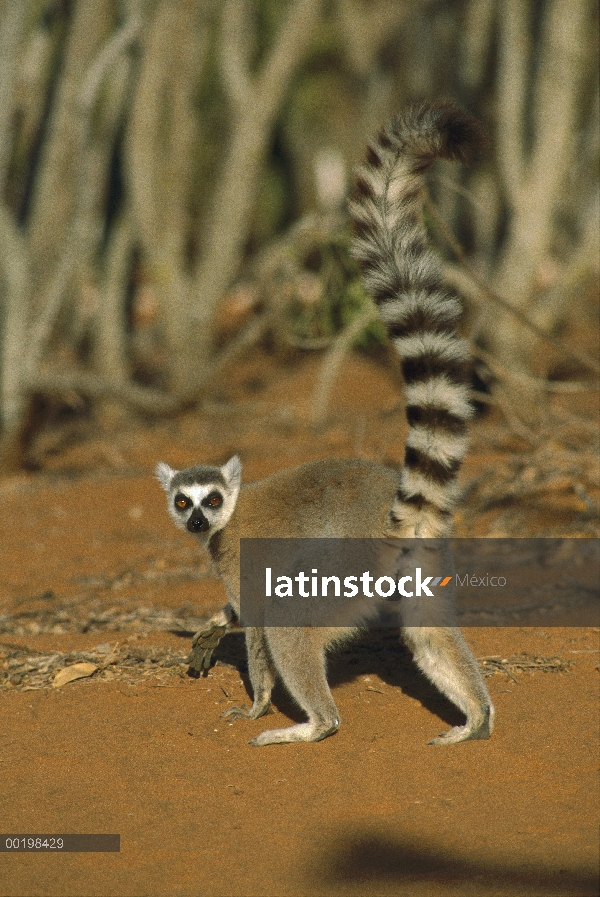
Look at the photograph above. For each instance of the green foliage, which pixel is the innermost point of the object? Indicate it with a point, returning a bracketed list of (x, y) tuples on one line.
[(341, 297), (272, 203)]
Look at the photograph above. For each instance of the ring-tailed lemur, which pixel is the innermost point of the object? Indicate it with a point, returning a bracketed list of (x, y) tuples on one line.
[(353, 498)]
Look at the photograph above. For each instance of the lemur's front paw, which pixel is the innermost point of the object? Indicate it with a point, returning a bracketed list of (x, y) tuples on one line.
[(203, 644)]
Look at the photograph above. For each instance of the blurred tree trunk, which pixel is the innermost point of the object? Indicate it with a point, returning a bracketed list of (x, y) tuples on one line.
[(255, 99), (535, 175), (159, 166), (58, 169)]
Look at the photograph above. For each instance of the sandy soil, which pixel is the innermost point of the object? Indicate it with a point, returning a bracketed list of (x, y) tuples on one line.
[(91, 568)]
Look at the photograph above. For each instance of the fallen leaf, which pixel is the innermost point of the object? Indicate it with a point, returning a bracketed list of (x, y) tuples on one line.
[(75, 671)]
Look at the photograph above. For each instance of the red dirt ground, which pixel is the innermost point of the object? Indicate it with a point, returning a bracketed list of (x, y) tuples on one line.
[(370, 811)]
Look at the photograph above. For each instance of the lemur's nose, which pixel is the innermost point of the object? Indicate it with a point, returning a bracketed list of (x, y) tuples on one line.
[(197, 523)]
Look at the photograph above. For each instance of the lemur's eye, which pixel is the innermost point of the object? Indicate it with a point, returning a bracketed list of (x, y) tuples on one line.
[(182, 502), (214, 500)]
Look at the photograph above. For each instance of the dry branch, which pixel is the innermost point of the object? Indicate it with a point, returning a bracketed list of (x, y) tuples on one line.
[(475, 288), (149, 401), (504, 373), (255, 101), (333, 362)]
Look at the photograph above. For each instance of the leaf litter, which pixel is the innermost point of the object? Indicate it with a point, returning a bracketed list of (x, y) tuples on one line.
[(22, 668)]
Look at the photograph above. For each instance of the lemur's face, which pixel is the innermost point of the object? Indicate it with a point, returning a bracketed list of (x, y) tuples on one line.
[(201, 499)]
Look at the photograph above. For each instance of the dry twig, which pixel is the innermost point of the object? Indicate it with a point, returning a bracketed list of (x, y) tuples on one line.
[(332, 362), (476, 287)]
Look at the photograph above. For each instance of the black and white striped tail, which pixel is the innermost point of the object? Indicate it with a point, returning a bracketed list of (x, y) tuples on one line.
[(403, 276)]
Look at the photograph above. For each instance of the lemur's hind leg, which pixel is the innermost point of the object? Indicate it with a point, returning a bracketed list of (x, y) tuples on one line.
[(299, 655), (443, 655), (262, 676)]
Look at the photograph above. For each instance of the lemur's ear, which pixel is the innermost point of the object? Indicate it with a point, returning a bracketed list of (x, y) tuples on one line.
[(232, 471), (164, 474)]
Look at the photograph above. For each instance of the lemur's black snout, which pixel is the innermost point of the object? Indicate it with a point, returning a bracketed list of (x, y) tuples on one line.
[(197, 523)]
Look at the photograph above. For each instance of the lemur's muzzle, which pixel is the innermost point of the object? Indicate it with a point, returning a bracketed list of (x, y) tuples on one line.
[(197, 523)]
